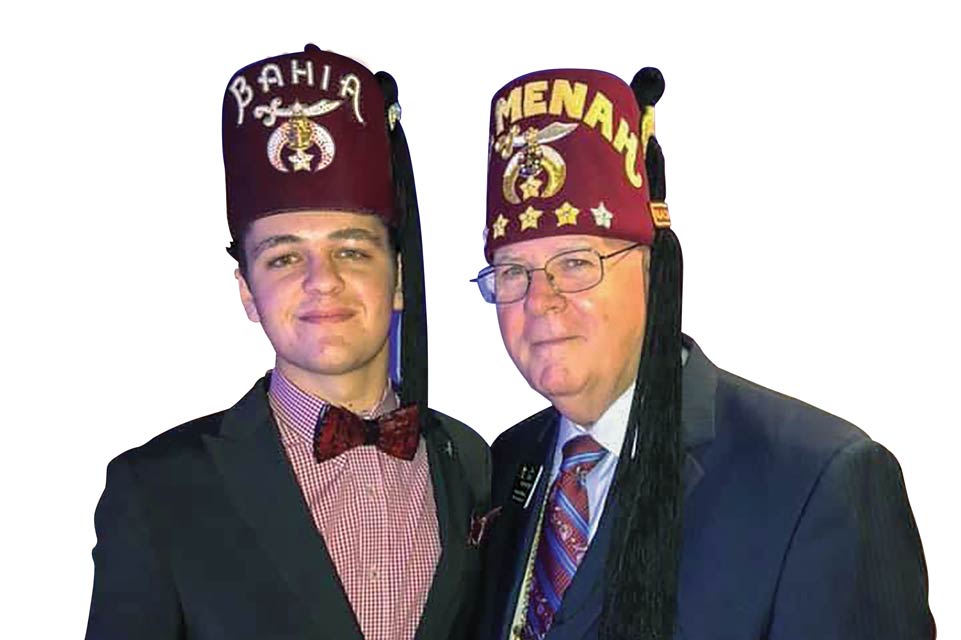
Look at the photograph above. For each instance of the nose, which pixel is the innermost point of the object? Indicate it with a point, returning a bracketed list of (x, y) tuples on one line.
[(541, 295), (322, 276)]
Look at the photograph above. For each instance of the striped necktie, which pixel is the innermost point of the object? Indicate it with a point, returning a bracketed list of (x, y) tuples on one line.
[(564, 534)]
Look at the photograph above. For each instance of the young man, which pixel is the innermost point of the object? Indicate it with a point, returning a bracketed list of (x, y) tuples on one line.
[(659, 497), (325, 503)]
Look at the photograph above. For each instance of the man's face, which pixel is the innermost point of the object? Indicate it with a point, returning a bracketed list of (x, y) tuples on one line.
[(323, 285), (579, 350)]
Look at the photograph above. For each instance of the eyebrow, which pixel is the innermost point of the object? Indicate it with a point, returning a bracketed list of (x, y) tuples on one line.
[(349, 233), (273, 241), (356, 233), (512, 258)]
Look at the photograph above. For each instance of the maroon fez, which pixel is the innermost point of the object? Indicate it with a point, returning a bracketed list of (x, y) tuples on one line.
[(305, 131), (567, 157)]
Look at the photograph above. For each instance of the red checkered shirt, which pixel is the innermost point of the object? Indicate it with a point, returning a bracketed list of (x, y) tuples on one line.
[(375, 512)]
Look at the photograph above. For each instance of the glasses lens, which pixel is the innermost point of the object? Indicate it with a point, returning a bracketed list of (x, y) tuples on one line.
[(509, 282), (575, 270), (485, 282)]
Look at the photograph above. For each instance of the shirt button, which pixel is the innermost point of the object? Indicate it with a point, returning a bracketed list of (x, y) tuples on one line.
[(374, 574), (371, 490)]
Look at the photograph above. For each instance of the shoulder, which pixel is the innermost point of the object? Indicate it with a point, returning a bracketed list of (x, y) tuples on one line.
[(788, 452), (173, 446), (464, 438), (187, 440), (522, 434), (790, 487), (749, 413), (467, 441), (473, 454), (163, 472)]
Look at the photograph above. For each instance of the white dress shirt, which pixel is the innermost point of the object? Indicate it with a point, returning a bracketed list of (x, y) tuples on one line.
[(608, 432)]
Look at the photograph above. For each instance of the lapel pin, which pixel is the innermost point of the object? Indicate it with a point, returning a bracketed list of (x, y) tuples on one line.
[(525, 483), (479, 524), (449, 449)]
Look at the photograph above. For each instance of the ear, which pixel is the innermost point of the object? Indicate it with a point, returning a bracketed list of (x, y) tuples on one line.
[(399, 287), (246, 297)]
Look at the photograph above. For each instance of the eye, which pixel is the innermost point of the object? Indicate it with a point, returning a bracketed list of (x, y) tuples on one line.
[(573, 264), (510, 272), (283, 260), (350, 253)]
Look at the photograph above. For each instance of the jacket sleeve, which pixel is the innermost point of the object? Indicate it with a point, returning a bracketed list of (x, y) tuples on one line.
[(133, 592), (855, 568)]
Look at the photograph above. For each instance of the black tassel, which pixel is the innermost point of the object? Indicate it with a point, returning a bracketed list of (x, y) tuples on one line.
[(413, 339), (640, 599), (654, 163)]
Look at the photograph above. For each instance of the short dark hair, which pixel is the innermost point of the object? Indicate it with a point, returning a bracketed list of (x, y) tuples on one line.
[(236, 248)]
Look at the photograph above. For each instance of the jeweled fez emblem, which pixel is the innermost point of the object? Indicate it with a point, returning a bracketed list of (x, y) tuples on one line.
[(299, 134), (533, 161)]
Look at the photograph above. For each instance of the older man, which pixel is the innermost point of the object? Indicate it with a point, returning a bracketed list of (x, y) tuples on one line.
[(324, 504), (659, 496)]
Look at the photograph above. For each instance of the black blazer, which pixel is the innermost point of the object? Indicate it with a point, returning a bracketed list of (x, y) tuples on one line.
[(203, 534), (796, 525)]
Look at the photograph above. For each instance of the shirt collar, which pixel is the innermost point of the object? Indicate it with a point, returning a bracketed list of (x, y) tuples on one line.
[(300, 410), (610, 428)]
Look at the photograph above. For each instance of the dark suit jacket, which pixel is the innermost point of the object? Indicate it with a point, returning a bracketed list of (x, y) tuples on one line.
[(203, 533), (796, 526)]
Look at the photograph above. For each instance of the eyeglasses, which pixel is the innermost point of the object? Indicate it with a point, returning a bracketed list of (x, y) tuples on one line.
[(567, 272)]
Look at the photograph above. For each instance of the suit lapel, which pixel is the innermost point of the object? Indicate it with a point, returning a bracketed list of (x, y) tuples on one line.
[(513, 534), (452, 497), (258, 478), (698, 391)]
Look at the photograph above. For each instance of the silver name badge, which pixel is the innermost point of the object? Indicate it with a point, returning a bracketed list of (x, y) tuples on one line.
[(526, 483)]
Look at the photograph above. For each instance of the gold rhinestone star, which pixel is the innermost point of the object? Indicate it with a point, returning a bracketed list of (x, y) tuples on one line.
[(602, 217), (529, 218), (301, 160), (531, 188), (566, 214), (500, 225)]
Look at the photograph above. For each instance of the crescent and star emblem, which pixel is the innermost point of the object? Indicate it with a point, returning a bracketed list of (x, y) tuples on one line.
[(532, 160), (299, 134)]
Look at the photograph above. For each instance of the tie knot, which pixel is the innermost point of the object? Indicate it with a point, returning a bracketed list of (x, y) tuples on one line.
[(582, 452)]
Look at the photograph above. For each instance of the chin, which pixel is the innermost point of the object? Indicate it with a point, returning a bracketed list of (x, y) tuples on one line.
[(331, 367), (555, 381), (324, 361)]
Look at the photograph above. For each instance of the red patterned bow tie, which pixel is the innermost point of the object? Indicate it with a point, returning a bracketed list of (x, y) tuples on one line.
[(396, 433)]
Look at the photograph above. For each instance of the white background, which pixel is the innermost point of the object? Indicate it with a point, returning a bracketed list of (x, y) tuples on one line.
[(812, 163)]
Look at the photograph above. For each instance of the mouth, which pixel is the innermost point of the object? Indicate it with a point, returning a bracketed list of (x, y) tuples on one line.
[(552, 342), (326, 316)]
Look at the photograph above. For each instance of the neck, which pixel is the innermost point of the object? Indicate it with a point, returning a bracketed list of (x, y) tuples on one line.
[(588, 405), (585, 411), (357, 391)]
